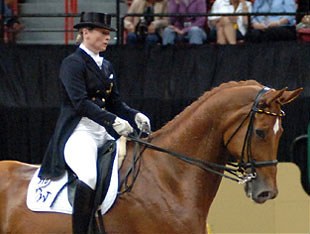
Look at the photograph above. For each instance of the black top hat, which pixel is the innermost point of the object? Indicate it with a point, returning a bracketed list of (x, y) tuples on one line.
[(94, 20)]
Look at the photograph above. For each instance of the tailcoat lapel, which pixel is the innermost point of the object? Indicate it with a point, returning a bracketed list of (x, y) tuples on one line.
[(90, 63)]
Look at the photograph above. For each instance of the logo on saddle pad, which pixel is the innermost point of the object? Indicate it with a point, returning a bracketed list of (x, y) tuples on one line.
[(42, 191), (52, 196)]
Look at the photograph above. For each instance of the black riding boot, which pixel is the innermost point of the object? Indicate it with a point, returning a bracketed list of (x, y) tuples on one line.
[(82, 208)]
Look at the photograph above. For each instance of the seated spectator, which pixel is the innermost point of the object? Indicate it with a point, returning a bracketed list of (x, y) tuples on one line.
[(229, 29), (186, 29), (273, 27), (304, 23), (303, 29), (11, 24), (146, 29)]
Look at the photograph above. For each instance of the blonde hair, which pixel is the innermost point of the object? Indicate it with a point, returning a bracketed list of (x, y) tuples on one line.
[(79, 37)]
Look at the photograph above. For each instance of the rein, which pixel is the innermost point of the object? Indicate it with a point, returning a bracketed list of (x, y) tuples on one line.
[(199, 163), (238, 170)]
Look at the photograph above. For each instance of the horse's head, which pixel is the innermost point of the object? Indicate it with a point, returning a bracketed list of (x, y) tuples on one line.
[(253, 141)]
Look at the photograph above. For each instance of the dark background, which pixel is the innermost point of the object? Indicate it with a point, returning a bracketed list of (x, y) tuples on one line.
[(160, 81)]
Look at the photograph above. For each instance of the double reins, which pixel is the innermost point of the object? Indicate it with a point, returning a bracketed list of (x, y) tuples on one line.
[(208, 166), (237, 170)]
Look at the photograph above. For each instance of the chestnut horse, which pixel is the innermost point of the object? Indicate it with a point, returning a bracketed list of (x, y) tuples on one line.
[(235, 128)]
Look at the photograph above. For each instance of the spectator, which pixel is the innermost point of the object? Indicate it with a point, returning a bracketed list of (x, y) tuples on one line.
[(304, 23), (303, 29), (186, 28), (273, 27), (229, 29), (147, 29), (10, 21)]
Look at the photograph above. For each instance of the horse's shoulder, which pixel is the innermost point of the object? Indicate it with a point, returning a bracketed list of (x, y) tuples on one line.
[(16, 168)]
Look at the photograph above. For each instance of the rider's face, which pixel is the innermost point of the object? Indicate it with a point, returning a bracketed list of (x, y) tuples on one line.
[(96, 39)]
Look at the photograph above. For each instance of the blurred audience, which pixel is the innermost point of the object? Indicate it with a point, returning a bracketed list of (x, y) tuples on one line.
[(229, 29), (146, 29), (304, 23), (9, 20), (273, 27), (303, 29), (186, 29)]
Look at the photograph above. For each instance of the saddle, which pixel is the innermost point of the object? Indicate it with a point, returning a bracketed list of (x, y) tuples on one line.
[(58, 196), (106, 156)]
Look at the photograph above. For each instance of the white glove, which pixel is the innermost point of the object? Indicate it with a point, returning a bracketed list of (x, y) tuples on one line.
[(122, 127), (143, 122)]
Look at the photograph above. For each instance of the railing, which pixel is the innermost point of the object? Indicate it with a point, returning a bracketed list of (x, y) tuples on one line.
[(69, 17), (68, 29)]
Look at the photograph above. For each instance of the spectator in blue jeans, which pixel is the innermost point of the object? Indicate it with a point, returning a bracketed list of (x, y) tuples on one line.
[(186, 28), (273, 27)]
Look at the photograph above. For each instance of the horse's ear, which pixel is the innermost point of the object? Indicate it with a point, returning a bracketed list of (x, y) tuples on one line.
[(281, 96), (273, 95), (289, 96)]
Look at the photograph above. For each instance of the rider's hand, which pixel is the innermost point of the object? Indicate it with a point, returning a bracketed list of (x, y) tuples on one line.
[(143, 123), (122, 127)]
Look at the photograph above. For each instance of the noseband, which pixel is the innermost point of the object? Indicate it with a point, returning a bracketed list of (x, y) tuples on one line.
[(238, 170)]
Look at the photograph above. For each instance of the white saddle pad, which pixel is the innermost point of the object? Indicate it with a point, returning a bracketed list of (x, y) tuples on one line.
[(41, 195)]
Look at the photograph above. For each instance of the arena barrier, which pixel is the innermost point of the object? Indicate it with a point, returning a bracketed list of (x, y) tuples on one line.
[(233, 212)]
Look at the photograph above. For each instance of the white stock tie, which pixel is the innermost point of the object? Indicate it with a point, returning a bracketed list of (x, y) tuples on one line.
[(98, 60)]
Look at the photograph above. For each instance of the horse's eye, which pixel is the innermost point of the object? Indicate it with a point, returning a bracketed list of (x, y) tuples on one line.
[(260, 133), (262, 105)]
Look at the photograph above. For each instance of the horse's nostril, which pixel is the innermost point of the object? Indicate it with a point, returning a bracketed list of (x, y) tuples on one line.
[(264, 194), (267, 195)]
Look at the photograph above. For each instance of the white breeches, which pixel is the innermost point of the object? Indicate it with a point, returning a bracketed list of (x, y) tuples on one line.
[(82, 147)]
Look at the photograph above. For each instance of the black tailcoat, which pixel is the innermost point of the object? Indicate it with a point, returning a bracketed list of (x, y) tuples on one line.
[(87, 92)]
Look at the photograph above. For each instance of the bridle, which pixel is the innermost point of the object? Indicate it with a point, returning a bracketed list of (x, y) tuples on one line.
[(243, 165), (238, 170)]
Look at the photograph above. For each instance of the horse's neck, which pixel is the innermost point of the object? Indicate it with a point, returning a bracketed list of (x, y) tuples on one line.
[(165, 183), (196, 132), (197, 137)]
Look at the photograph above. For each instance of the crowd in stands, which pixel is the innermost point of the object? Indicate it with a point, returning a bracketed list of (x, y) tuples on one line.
[(199, 28), (220, 29), (146, 29)]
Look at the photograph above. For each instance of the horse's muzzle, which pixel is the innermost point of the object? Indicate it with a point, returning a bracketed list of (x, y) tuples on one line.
[(260, 192)]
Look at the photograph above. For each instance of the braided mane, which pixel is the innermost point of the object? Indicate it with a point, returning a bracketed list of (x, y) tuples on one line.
[(192, 107), (227, 85)]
